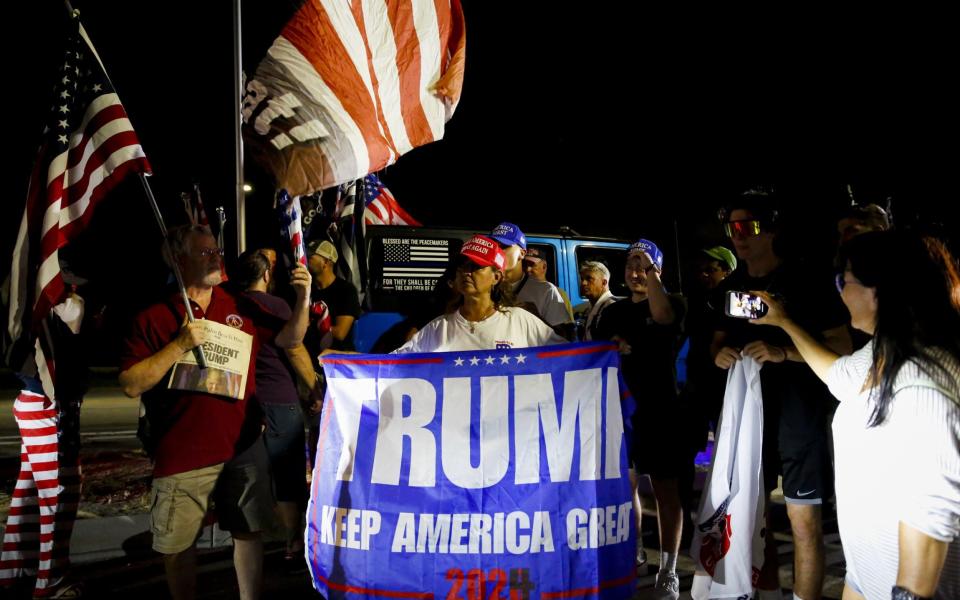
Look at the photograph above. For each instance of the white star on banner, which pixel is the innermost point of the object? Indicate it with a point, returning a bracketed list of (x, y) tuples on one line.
[(96, 87), (62, 139), (64, 109), (504, 360), (489, 360), (521, 359), (474, 361), (458, 362)]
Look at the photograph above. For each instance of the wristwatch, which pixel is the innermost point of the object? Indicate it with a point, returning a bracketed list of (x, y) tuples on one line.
[(899, 593)]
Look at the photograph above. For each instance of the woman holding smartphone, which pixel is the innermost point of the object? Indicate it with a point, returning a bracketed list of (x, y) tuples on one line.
[(897, 428)]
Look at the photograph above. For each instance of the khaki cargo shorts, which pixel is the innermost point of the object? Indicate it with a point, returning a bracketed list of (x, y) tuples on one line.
[(239, 489)]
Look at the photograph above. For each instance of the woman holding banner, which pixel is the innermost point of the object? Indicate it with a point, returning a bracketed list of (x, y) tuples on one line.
[(481, 318), (896, 430)]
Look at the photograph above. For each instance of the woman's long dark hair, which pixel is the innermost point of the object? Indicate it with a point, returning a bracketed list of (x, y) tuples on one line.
[(918, 308)]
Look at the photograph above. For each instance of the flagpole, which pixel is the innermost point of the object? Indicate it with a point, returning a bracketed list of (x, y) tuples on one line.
[(197, 351), (676, 252), (238, 137)]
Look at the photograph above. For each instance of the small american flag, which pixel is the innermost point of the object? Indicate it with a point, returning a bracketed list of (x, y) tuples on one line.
[(88, 147), (193, 205), (289, 209), (382, 207), (415, 258)]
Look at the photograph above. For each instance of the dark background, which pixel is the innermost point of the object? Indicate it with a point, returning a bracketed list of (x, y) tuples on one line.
[(619, 121)]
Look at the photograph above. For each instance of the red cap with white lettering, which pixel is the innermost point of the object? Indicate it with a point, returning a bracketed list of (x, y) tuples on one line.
[(483, 251)]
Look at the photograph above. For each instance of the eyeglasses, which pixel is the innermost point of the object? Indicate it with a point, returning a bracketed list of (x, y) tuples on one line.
[(208, 252), (842, 283), (742, 229)]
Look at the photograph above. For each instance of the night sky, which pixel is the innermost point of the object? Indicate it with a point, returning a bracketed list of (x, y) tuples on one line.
[(611, 119)]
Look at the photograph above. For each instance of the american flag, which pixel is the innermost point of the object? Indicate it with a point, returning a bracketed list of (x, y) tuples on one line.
[(88, 147), (349, 234), (193, 205), (348, 87), (415, 258), (290, 225), (382, 207)]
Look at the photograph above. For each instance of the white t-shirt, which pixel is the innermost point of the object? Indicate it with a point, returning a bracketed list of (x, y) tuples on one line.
[(546, 298), (906, 469), (509, 327)]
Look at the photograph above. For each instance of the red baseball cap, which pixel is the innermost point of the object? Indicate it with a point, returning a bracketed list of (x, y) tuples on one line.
[(483, 251), (533, 256)]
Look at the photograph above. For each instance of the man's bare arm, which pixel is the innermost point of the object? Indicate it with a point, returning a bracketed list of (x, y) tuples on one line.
[(341, 327), (149, 371), (293, 331)]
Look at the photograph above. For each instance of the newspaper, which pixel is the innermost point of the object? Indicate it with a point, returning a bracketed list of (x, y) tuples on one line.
[(227, 351)]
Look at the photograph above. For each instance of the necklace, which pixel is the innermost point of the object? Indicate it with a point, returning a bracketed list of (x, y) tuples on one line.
[(473, 324)]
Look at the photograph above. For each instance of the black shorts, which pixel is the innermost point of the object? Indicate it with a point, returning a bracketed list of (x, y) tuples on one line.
[(285, 441), (806, 468), (796, 445), (657, 446)]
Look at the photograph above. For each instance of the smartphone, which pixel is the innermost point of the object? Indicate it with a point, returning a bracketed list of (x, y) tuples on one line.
[(742, 305)]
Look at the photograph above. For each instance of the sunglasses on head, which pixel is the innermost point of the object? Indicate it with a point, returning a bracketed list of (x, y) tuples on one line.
[(747, 228)]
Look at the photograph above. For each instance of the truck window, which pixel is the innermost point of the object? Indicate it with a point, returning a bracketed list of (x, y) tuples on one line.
[(614, 258)]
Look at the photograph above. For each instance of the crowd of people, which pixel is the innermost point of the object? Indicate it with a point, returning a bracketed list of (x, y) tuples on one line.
[(885, 345)]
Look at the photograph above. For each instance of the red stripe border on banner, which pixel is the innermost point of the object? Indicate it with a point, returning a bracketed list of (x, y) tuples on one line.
[(577, 351), (382, 361), (350, 589), (589, 591)]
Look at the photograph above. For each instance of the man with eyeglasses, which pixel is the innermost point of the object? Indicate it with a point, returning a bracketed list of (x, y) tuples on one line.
[(205, 445), (795, 403)]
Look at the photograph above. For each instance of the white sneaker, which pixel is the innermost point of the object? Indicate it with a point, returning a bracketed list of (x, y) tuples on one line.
[(668, 585)]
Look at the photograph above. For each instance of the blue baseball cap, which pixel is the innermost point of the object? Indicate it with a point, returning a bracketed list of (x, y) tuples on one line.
[(650, 248), (508, 234)]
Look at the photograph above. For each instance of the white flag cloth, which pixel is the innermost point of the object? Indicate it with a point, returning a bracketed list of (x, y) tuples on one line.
[(727, 542)]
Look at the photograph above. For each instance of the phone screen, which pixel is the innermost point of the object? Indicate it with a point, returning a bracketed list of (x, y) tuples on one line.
[(745, 306)]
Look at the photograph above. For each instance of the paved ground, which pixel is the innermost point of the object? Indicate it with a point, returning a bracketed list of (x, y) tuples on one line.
[(107, 416), (112, 557)]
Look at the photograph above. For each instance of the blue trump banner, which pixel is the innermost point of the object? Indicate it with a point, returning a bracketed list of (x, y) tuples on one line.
[(478, 475)]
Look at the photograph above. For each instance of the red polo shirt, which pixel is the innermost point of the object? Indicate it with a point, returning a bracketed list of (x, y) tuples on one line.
[(194, 429)]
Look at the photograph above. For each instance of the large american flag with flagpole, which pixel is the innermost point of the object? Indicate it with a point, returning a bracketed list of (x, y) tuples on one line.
[(349, 87), (88, 147)]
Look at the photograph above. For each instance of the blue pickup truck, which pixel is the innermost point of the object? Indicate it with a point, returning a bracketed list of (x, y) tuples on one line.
[(406, 262)]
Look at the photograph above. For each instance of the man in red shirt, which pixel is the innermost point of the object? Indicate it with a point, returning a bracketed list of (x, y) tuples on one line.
[(206, 445)]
